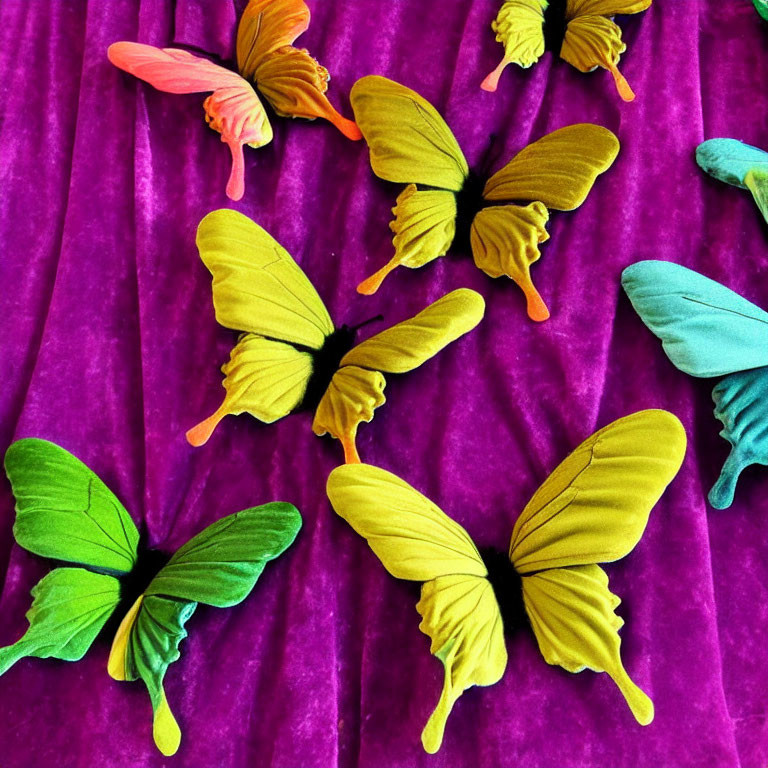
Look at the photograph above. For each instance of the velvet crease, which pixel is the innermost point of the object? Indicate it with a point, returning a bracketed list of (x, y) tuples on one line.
[(109, 347)]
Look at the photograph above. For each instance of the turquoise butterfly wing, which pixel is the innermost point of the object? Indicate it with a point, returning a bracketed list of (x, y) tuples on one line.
[(708, 331)]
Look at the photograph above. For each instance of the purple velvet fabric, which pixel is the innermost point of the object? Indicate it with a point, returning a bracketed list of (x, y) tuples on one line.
[(110, 348)]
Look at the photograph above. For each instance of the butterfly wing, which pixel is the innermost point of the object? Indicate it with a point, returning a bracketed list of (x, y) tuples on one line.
[(357, 388), (737, 163), (70, 607), (218, 567), (415, 540), (761, 6), (706, 329), (409, 141), (557, 172), (519, 27), (741, 404), (234, 109), (65, 512), (593, 509), (594, 40), (259, 288), (289, 78)]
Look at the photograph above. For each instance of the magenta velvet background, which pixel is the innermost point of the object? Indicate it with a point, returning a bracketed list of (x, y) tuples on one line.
[(110, 348)]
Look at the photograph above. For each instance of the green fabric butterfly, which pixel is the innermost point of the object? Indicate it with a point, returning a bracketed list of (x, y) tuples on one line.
[(65, 512)]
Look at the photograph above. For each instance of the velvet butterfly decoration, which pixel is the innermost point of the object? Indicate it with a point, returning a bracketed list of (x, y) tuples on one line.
[(290, 356), (289, 79), (709, 331), (66, 513), (446, 203), (581, 31), (592, 509), (739, 164)]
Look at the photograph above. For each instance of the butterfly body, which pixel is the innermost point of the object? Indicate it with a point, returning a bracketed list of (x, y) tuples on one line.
[(66, 513), (592, 509), (555, 25), (291, 81), (445, 205)]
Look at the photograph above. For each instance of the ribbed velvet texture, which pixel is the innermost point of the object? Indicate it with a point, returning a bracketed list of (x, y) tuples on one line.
[(110, 348)]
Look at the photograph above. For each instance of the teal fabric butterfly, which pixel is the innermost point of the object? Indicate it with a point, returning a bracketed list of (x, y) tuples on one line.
[(739, 164), (709, 331), (65, 512)]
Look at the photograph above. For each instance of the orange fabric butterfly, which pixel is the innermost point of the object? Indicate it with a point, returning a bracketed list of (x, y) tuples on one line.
[(291, 81)]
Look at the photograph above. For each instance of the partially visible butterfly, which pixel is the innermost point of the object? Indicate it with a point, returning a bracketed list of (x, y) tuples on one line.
[(65, 512), (287, 77), (445, 202), (580, 31), (290, 356), (592, 509), (709, 331), (739, 164), (762, 8)]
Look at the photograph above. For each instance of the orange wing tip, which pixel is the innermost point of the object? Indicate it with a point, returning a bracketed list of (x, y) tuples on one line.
[(236, 184), (200, 433), (347, 127), (370, 285), (622, 86), (351, 455), (491, 83), (537, 309)]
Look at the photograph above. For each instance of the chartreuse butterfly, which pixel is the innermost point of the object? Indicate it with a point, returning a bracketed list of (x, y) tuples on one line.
[(290, 356), (737, 163), (592, 509), (446, 203), (581, 31), (291, 81), (709, 331), (65, 512)]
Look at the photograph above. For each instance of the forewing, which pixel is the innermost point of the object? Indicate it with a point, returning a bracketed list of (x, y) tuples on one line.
[(221, 564), (572, 614), (558, 169), (257, 286), (265, 26), (63, 510), (706, 329), (462, 618), (265, 378), (408, 344), (594, 507), (409, 141), (412, 537), (70, 607)]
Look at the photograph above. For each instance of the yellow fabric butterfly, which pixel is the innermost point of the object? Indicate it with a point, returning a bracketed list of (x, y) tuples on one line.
[(289, 355), (592, 509), (581, 31), (411, 144)]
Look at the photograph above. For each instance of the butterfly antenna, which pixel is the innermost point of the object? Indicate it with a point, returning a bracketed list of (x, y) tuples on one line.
[(376, 319)]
